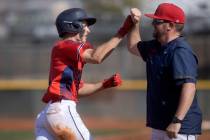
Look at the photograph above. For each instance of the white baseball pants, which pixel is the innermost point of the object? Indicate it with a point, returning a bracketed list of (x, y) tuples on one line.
[(61, 113)]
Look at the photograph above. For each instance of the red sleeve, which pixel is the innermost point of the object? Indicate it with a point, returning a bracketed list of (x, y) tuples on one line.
[(74, 50), (81, 84)]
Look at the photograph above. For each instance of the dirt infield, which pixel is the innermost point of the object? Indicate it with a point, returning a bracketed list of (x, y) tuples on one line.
[(101, 128)]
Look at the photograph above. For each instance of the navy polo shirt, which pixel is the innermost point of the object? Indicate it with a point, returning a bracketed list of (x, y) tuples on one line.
[(168, 67)]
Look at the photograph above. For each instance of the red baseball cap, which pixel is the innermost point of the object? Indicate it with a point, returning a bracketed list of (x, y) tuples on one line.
[(170, 12)]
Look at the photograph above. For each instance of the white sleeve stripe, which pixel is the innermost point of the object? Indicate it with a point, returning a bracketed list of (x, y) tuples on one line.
[(78, 51)]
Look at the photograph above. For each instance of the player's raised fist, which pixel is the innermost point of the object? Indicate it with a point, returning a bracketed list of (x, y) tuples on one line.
[(113, 81), (126, 27), (135, 14)]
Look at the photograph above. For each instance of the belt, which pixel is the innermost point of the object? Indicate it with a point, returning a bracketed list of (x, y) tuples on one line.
[(58, 99), (54, 101)]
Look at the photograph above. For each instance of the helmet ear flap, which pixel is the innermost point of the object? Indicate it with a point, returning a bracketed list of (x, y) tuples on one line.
[(78, 25), (74, 27)]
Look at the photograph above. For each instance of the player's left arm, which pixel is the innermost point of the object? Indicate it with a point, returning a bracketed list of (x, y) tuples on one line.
[(91, 88)]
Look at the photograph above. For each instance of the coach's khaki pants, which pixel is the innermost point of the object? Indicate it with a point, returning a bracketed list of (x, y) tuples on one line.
[(161, 135)]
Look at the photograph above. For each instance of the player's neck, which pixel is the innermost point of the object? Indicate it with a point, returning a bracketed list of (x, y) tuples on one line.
[(75, 38)]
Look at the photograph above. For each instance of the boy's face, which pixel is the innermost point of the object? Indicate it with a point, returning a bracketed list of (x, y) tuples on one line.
[(86, 30), (82, 36)]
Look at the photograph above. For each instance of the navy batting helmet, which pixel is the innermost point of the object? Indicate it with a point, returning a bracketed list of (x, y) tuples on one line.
[(70, 21)]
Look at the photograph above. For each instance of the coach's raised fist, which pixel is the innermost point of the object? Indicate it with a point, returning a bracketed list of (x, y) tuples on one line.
[(113, 81), (135, 14)]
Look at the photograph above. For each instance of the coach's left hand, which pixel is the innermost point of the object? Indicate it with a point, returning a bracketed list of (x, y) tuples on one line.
[(135, 15), (173, 129)]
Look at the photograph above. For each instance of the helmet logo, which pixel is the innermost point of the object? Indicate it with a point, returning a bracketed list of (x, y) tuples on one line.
[(67, 22)]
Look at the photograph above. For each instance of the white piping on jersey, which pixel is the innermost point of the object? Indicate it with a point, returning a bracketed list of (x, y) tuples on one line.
[(78, 51)]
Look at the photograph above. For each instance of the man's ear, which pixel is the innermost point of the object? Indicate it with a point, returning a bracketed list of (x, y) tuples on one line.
[(171, 26)]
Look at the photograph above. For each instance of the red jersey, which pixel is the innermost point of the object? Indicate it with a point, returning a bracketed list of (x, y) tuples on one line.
[(65, 70)]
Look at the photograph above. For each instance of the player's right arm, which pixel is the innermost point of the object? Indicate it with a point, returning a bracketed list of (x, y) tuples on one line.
[(96, 56), (134, 36)]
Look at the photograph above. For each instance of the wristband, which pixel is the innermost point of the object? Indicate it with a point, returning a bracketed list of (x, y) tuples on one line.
[(176, 120)]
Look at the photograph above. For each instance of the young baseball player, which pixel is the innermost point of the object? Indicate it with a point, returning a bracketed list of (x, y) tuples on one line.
[(59, 120)]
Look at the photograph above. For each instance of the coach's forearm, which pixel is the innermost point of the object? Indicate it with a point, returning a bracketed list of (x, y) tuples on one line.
[(133, 38), (186, 99)]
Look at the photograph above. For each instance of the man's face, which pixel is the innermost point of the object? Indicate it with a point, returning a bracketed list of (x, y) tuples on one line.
[(160, 28)]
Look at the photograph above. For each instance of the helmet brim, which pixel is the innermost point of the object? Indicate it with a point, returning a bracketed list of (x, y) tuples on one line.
[(90, 20), (162, 18)]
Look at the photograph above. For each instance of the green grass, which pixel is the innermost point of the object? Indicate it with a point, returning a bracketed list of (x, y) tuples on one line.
[(108, 132), (29, 135), (16, 135)]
